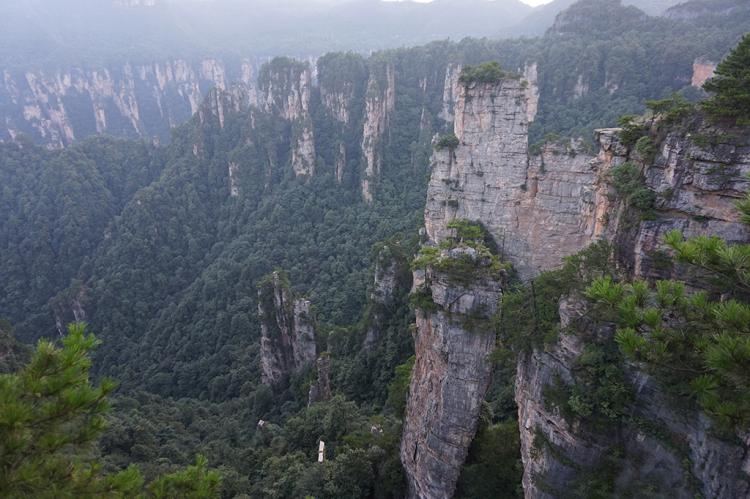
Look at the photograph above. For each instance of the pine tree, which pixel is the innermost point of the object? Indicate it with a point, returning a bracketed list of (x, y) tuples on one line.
[(731, 86), (50, 420), (698, 342)]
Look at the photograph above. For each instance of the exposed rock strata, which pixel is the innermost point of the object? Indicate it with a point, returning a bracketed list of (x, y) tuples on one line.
[(287, 331), (143, 100), (450, 378), (531, 76), (696, 190), (284, 91), (681, 460), (380, 101), (702, 71), (451, 89), (539, 208)]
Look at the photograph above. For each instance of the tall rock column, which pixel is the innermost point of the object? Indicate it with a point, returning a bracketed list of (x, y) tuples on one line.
[(287, 341), (380, 101), (538, 208), (459, 289), (284, 87), (453, 340)]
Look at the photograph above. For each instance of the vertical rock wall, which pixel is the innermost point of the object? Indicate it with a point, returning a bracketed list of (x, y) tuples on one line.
[(539, 209), (450, 378), (380, 101), (132, 100), (696, 187), (284, 90), (287, 331)]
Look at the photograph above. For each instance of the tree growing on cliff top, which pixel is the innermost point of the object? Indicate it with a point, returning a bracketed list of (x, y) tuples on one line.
[(488, 72), (50, 420), (731, 86)]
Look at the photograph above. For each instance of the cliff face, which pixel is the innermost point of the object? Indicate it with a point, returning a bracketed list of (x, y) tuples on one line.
[(540, 208), (696, 187), (451, 374), (669, 449), (537, 208), (380, 101), (478, 180), (133, 100), (287, 331), (284, 90)]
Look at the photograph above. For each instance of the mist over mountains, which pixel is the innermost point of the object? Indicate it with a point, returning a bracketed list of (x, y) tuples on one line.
[(344, 249), (59, 33)]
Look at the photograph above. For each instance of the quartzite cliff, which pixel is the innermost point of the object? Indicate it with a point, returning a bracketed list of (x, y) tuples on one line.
[(539, 209)]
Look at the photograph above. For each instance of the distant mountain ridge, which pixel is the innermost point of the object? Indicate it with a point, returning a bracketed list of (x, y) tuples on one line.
[(543, 16)]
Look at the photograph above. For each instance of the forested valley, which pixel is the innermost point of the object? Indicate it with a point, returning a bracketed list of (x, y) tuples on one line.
[(302, 215)]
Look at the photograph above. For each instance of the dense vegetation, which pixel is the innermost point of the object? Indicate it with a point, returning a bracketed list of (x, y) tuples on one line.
[(489, 72), (731, 86), (151, 247), (149, 244), (696, 342), (50, 415)]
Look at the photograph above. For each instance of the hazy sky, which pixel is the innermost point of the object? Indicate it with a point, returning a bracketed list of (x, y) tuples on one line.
[(530, 2)]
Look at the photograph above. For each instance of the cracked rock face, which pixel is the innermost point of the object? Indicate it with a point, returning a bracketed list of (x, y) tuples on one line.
[(450, 378), (538, 209), (380, 101), (696, 188), (145, 100), (556, 451), (696, 191), (287, 331)]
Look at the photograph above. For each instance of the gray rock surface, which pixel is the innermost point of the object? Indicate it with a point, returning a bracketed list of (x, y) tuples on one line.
[(450, 378), (132, 100), (320, 390), (380, 101), (287, 341), (537, 208), (286, 93), (540, 208), (679, 457)]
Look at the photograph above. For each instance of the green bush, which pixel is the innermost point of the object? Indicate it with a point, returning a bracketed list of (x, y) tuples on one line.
[(673, 109), (447, 141), (646, 148), (489, 72), (630, 186), (632, 129)]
